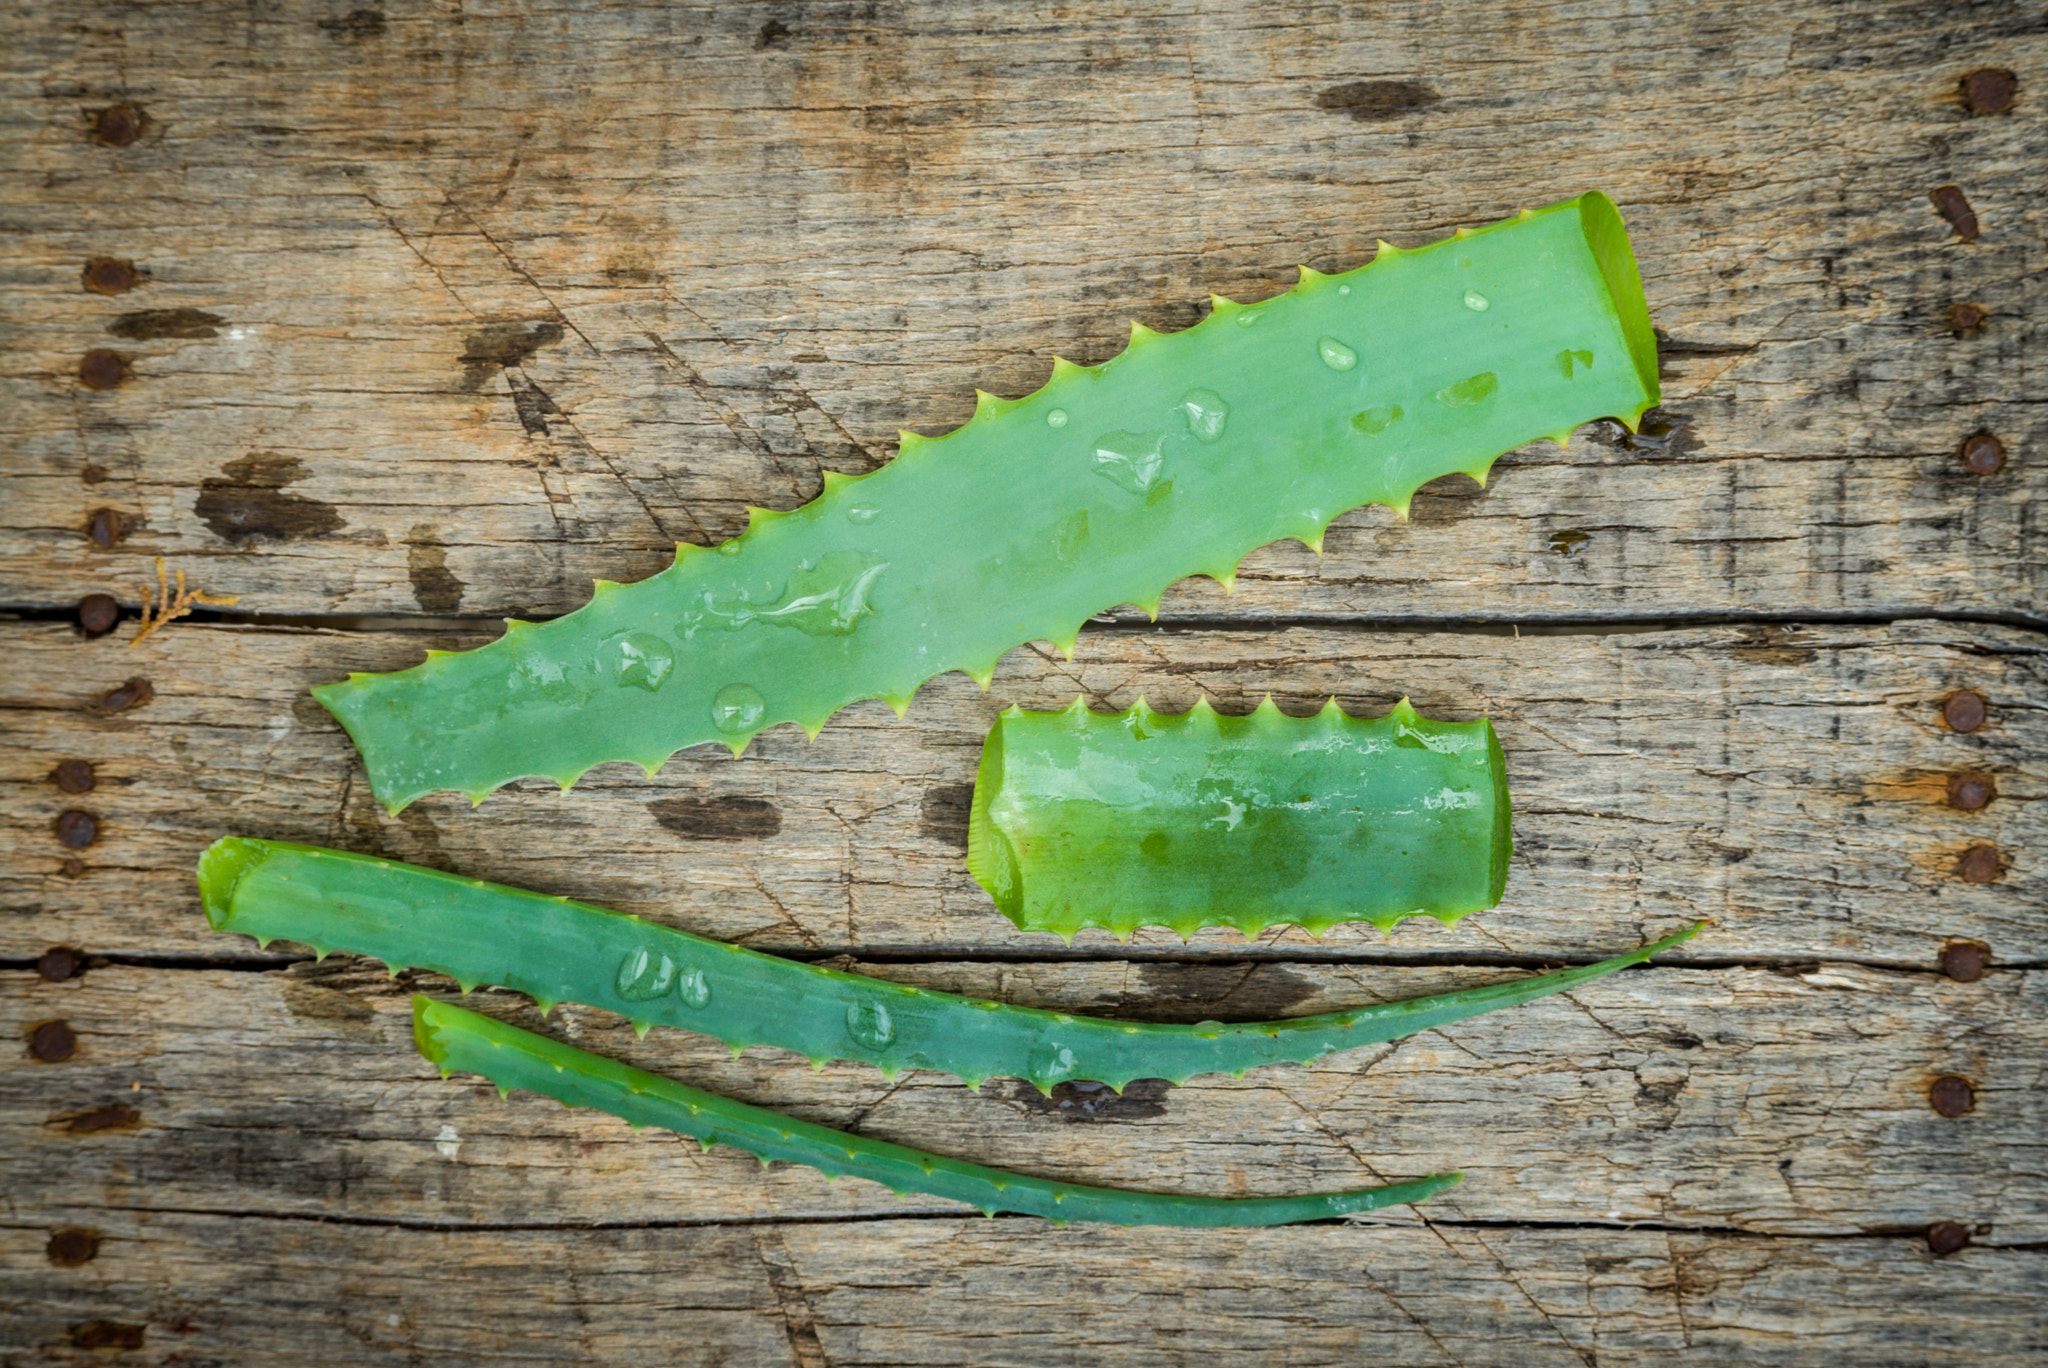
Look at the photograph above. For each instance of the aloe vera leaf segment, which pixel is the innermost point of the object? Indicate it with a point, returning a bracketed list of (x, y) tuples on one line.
[(557, 950), (457, 1040), (1175, 458)]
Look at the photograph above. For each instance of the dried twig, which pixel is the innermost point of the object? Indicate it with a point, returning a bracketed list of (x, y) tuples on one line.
[(168, 606)]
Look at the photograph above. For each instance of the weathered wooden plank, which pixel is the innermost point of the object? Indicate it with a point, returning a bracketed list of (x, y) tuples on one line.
[(973, 1293), (1790, 785), (1746, 1099), (473, 315)]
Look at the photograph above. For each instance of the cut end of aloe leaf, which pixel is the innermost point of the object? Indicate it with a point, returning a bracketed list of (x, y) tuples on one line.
[(221, 869)]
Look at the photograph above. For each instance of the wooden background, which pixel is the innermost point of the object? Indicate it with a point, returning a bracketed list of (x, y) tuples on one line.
[(440, 310)]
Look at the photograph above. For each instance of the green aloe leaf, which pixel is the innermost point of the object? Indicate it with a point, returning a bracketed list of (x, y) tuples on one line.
[(459, 1040), (1176, 458), (561, 951), (1139, 818)]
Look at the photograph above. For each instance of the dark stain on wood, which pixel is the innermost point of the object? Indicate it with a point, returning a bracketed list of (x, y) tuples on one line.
[(1773, 645), (248, 500), (1188, 993), (319, 1003), (1659, 432), (501, 345), (434, 586), (117, 1117), (1141, 1100), (146, 325), (534, 408), (355, 26), (101, 1334), (1446, 499), (718, 819), (944, 818), (1372, 101)]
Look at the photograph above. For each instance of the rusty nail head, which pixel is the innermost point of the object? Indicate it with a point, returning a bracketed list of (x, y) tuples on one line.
[(76, 829), (1978, 864), (133, 694), (101, 369), (1954, 206), (1951, 1096), (1946, 1237), (104, 275), (118, 125), (1983, 454), (1963, 961), (1964, 710), (74, 776), (1963, 317), (98, 614), (72, 868), (93, 474), (1971, 792), (105, 528), (73, 1248), (1989, 90), (53, 1042), (59, 963)]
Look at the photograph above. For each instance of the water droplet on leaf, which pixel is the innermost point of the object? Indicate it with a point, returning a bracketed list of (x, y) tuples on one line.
[(862, 513), (1376, 419), (1050, 1061), (825, 597), (1335, 354), (1469, 390), (869, 1025), (644, 975), (738, 708), (645, 660), (693, 988), (1477, 302), (1129, 460), (1206, 413), (1056, 417)]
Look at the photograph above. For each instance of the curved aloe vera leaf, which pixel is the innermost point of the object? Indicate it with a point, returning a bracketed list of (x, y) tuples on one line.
[(1138, 818), (561, 951), (455, 1039), (1176, 458)]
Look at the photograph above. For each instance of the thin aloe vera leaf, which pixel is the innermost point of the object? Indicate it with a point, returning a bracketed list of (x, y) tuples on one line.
[(556, 950), (1176, 458), (457, 1040), (1139, 818)]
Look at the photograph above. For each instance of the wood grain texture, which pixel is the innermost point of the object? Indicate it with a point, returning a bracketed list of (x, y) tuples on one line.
[(1765, 1101), (1789, 784), (949, 1293), (443, 310), (506, 305)]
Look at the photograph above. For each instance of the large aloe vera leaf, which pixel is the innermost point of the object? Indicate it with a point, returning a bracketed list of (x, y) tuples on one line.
[(562, 951), (1137, 818), (459, 1040), (1175, 458)]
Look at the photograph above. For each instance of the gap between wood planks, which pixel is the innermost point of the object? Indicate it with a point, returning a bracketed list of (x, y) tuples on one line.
[(1917, 1233), (1547, 624)]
